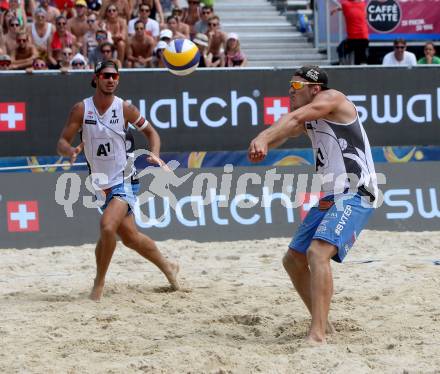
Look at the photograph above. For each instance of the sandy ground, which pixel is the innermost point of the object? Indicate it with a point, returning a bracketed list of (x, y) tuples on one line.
[(238, 312)]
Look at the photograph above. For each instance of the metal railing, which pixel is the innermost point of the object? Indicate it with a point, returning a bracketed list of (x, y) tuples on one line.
[(329, 30)]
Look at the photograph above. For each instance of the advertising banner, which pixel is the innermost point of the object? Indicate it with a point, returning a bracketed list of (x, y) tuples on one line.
[(407, 19), (210, 204), (220, 110)]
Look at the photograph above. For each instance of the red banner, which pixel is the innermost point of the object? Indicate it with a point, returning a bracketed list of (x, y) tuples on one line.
[(408, 19)]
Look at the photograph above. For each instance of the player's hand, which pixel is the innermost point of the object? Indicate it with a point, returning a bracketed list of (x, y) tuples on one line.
[(76, 151), (258, 149), (153, 159)]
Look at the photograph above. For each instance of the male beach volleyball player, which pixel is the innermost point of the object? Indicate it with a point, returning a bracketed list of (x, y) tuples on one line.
[(103, 122), (343, 158)]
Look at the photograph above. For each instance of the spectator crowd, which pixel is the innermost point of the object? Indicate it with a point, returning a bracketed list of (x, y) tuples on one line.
[(77, 34)]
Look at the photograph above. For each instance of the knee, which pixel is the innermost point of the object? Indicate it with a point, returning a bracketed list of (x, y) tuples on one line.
[(320, 252), (107, 228), (294, 260)]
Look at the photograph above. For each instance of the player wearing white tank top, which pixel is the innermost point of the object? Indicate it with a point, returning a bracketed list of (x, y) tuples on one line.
[(343, 158), (103, 120)]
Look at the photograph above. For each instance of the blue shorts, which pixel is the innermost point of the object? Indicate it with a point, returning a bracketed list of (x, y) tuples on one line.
[(124, 191), (340, 225)]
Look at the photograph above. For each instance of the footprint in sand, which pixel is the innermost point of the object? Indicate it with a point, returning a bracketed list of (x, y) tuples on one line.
[(246, 319)]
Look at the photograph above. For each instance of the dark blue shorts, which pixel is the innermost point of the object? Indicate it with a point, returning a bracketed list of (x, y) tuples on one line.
[(340, 225)]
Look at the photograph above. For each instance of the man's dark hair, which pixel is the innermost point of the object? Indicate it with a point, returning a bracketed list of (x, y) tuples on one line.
[(399, 41), (139, 21)]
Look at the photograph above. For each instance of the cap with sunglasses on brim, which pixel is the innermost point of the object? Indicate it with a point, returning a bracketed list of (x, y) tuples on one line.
[(313, 74), (78, 58), (81, 3), (101, 65)]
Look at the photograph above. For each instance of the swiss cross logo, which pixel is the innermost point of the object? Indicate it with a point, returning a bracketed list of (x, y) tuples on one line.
[(274, 108), (12, 116), (23, 216), (309, 201)]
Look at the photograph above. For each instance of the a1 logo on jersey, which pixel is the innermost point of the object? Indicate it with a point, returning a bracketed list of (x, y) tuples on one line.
[(274, 108), (23, 216), (13, 116), (309, 199)]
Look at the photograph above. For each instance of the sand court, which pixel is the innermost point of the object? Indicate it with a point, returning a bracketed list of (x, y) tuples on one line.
[(237, 311)]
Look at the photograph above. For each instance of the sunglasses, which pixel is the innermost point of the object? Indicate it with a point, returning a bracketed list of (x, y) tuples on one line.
[(399, 47), (139, 28), (61, 23), (213, 24), (145, 10), (79, 63), (114, 76), (14, 24), (111, 10), (206, 12), (298, 85), (39, 65), (91, 20), (21, 40)]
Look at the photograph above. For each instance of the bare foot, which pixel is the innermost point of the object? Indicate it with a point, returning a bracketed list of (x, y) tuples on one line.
[(171, 275), (97, 292), (330, 329), (314, 339)]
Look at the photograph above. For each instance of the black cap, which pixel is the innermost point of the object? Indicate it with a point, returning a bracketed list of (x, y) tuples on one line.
[(102, 65), (313, 74)]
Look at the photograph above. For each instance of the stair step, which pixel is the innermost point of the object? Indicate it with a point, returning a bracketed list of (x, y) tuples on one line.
[(288, 56), (280, 51), (219, 6), (267, 37), (282, 46), (275, 30), (278, 64), (256, 17), (252, 23)]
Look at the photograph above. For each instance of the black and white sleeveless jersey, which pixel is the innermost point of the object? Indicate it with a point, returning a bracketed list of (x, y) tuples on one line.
[(107, 143), (342, 155)]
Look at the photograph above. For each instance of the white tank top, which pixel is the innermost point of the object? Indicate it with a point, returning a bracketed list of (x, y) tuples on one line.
[(105, 143), (341, 150), (41, 41)]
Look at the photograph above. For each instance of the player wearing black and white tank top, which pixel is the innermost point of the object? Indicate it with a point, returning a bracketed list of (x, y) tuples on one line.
[(105, 139), (342, 150), (343, 158), (103, 121)]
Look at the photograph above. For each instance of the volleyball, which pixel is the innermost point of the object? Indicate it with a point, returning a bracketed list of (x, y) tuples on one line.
[(181, 57)]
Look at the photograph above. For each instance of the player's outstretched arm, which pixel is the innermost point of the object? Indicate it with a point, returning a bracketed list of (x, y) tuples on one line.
[(274, 136), (71, 128)]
